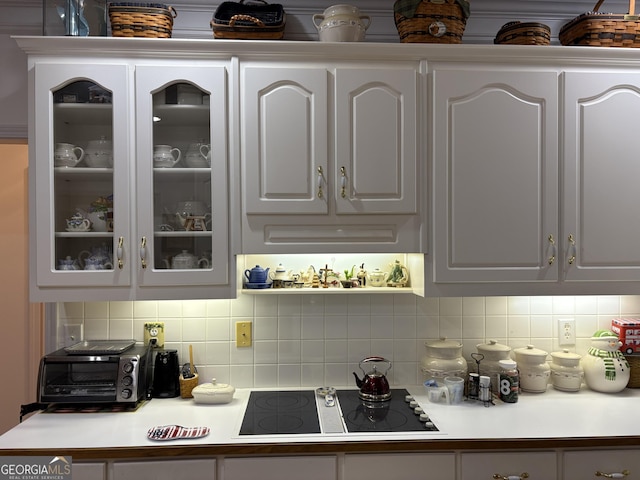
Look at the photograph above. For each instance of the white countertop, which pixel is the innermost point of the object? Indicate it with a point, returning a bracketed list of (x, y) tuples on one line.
[(549, 415)]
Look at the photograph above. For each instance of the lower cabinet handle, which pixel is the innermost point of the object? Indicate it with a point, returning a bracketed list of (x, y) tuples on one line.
[(143, 252), (119, 252), (497, 476), (622, 474)]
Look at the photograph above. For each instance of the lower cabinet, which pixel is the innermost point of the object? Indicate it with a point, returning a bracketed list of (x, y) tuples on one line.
[(280, 468), (89, 471), (586, 464), (508, 465), (201, 469), (400, 466)]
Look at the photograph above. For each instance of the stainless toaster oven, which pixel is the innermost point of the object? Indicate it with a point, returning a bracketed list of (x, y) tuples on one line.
[(96, 372)]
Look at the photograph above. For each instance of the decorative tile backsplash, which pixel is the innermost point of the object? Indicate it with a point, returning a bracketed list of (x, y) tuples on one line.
[(319, 339)]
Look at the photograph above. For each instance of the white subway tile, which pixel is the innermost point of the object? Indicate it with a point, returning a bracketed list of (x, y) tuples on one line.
[(265, 351), (289, 327), (312, 327), (265, 375), (264, 328)]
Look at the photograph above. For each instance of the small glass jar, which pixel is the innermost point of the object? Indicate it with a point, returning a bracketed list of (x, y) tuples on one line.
[(508, 381)]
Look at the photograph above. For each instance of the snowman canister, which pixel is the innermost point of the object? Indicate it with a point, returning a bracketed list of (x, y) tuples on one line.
[(605, 368)]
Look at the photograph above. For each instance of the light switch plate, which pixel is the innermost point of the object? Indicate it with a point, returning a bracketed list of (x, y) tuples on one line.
[(154, 334), (243, 334)]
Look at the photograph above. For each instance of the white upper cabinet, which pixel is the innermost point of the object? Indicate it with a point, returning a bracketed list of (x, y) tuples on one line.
[(129, 181), (328, 152), (601, 171), (495, 175)]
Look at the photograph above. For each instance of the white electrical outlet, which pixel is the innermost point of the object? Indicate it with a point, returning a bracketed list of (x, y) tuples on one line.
[(566, 331), (154, 334)]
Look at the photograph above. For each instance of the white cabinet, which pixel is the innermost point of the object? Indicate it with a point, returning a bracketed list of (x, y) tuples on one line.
[(400, 466), (329, 158), (495, 175), (165, 232), (89, 471), (537, 465), (591, 464), (201, 469), (277, 468), (601, 222)]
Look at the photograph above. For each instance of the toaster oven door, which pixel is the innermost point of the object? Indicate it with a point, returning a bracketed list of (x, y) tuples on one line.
[(71, 380)]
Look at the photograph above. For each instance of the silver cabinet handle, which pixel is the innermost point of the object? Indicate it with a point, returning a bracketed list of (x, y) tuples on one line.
[(320, 182), (497, 476), (343, 182), (143, 252), (120, 252), (552, 246), (572, 243), (622, 474)]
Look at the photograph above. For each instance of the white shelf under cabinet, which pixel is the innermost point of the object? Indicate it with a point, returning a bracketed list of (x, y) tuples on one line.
[(328, 291)]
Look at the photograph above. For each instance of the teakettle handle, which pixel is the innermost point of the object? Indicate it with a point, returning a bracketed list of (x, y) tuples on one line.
[(374, 359)]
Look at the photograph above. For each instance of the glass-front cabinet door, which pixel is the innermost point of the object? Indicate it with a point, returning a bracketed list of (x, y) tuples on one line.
[(80, 190), (181, 156)]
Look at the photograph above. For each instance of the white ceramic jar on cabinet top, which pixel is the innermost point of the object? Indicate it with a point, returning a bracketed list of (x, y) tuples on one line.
[(341, 23), (534, 369)]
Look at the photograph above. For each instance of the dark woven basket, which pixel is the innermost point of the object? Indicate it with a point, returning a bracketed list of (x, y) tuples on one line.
[(596, 29), (249, 21), (529, 33), (151, 20), (433, 21)]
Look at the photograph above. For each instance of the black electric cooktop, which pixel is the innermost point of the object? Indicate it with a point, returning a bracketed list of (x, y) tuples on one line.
[(283, 412), (295, 412)]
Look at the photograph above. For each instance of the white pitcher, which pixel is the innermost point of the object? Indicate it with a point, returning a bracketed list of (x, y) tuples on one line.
[(341, 23), (164, 156)]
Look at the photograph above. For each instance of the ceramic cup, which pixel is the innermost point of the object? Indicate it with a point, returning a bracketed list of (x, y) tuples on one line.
[(67, 155)]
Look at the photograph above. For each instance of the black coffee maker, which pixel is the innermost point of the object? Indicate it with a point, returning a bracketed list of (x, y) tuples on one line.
[(165, 374)]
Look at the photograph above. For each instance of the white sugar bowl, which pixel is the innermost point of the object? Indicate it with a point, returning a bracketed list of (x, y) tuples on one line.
[(534, 369), (566, 372)]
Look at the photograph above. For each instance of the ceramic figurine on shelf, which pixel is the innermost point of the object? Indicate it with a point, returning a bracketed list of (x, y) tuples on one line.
[(605, 368), (399, 275)]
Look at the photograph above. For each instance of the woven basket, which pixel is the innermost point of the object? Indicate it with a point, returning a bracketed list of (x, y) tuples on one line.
[(518, 33), (187, 384), (240, 21), (433, 21), (603, 29), (634, 364), (150, 20)]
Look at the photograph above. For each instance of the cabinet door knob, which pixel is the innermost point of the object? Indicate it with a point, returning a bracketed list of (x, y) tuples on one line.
[(622, 474), (497, 476)]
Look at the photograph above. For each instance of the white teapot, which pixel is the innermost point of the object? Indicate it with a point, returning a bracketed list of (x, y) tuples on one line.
[(78, 223), (186, 260), (281, 273), (377, 278)]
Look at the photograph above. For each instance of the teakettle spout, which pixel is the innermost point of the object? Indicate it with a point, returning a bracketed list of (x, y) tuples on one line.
[(358, 381)]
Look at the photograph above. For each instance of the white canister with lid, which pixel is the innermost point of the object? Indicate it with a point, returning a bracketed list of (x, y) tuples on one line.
[(566, 372), (492, 352), (443, 359), (341, 23), (534, 369)]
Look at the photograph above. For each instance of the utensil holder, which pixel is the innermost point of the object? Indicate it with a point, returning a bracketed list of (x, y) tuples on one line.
[(187, 385)]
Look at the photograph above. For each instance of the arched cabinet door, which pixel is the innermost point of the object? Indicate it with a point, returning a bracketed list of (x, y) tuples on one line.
[(80, 176), (182, 176), (601, 198), (495, 175)]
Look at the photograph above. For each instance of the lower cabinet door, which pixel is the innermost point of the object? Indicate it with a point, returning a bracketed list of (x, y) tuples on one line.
[(588, 464), (280, 468), (400, 466), (88, 471), (200, 469), (509, 465)]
